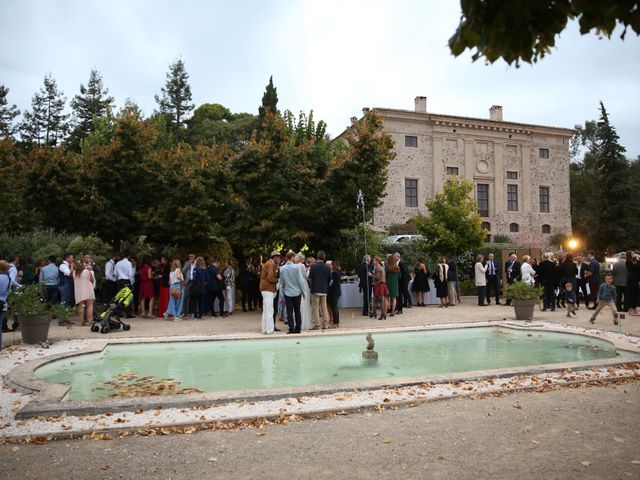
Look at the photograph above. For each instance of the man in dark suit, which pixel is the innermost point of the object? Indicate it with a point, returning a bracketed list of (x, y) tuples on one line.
[(547, 275), (366, 283), (593, 277), (582, 281), (404, 300), (245, 283), (493, 282), (512, 270)]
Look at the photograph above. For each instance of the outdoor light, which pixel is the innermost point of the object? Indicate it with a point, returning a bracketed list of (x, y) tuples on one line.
[(572, 244)]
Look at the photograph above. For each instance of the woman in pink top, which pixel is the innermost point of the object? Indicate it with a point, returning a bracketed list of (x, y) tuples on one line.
[(84, 284)]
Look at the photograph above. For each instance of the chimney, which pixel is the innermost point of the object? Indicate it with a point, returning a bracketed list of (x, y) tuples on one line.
[(495, 113), (421, 104), (365, 110), (354, 120)]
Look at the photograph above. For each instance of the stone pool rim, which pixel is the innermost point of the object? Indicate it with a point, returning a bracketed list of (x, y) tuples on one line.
[(50, 400)]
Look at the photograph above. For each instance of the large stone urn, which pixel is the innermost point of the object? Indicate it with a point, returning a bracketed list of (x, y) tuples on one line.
[(34, 329), (524, 309)]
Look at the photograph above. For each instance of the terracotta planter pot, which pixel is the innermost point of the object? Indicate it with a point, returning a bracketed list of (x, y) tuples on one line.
[(524, 309), (34, 329)]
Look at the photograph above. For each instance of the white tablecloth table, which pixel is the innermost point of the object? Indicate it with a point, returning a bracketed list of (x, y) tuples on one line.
[(352, 298)]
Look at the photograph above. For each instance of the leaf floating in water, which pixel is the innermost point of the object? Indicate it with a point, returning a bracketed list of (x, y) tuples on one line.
[(130, 385)]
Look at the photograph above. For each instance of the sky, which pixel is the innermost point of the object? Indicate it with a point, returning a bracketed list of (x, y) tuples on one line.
[(332, 57)]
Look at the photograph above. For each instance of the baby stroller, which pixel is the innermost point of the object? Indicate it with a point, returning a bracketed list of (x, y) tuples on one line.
[(110, 318)]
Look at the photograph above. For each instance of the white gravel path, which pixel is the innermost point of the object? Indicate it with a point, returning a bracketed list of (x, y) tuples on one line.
[(287, 409)]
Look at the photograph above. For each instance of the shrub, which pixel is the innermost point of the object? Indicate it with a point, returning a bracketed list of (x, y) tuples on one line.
[(32, 244), (410, 252), (501, 238), (522, 291), (350, 247), (467, 287), (100, 251), (408, 228)]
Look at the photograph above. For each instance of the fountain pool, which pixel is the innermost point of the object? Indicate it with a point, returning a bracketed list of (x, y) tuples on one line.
[(299, 361)]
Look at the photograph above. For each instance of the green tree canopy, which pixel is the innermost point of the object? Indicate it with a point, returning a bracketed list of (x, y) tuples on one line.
[(213, 123), (525, 30), (452, 226)]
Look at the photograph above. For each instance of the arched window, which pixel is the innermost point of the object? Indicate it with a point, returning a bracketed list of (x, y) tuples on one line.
[(486, 226), (514, 227), (546, 228)]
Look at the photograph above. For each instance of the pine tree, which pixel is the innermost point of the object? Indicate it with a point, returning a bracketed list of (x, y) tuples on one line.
[(175, 102), (46, 123), (92, 104), (7, 114), (612, 169)]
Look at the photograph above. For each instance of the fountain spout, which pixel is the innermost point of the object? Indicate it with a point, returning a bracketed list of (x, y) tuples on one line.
[(370, 355)]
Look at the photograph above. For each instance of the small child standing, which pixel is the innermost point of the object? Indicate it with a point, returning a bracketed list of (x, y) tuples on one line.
[(606, 297), (570, 299)]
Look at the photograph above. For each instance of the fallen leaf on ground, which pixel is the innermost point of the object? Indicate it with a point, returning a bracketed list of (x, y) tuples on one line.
[(15, 449), (440, 456), (534, 441), (260, 434), (635, 462), (104, 467), (517, 405), (375, 434), (618, 439), (586, 464), (386, 440), (212, 459)]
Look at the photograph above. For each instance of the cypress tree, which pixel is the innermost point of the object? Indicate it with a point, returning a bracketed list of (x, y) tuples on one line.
[(175, 102), (613, 188), (7, 114)]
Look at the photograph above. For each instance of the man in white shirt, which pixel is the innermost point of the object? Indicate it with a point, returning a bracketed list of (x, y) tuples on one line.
[(126, 275), (110, 278), (66, 281)]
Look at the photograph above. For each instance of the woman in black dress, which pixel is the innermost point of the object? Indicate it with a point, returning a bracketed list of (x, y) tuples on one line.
[(420, 282), (440, 278)]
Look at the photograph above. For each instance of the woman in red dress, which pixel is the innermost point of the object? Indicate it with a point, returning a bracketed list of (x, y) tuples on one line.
[(146, 287), (164, 271)]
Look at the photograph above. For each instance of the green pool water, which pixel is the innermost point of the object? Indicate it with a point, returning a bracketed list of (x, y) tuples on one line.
[(293, 361)]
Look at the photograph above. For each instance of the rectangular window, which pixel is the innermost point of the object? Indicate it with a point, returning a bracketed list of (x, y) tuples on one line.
[(512, 198), (544, 199), (543, 153), (410, 141), (512, 175), (482, 198), (452, 170), (410, 192)]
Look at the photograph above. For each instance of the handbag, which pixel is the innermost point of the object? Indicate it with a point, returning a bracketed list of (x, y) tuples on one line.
[(176, 292)]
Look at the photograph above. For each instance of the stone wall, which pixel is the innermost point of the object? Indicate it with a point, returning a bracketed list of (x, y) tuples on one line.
[(483, 151)]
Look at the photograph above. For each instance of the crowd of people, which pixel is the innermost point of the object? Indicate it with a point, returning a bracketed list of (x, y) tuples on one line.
[(565, 280), (304, 292)]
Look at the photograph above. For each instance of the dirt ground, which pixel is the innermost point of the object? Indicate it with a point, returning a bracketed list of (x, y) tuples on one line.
[(586, 433), (581, 433)]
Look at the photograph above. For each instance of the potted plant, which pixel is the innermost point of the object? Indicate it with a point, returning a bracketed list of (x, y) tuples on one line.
[(32, 312), (523, 297)]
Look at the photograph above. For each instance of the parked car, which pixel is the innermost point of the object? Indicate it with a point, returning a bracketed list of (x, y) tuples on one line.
[(401, 239)]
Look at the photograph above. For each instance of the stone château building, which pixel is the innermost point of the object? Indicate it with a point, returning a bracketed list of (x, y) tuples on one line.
[(520, 171)]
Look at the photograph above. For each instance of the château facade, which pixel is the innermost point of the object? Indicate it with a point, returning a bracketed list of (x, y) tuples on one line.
[(520, 171)]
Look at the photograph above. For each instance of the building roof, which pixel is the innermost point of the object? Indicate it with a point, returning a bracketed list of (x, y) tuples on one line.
[(481, 123)]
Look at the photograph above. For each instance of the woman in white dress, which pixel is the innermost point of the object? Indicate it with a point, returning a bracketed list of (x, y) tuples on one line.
[(527, 271), (84, 283), (305, 303)]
